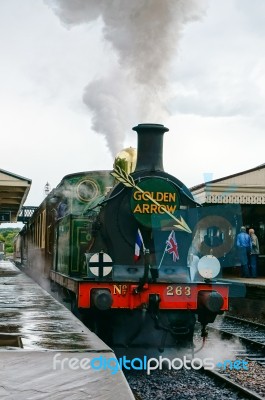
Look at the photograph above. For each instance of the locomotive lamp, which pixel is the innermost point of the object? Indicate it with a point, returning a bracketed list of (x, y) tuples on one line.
[(209, 267)]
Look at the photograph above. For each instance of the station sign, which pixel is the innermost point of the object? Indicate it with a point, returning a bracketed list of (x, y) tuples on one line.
[(154, 196), (5, 216)]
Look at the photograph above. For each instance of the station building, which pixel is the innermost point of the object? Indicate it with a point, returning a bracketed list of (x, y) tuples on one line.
[(247, 189)]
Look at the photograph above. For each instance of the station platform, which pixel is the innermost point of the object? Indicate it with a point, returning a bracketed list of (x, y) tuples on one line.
[(259, 281), (46, 352), (249, 288), (247, 297)]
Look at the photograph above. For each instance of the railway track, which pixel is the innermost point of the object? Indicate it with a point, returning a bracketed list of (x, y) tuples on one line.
[(246, 340), (240, 389), (182, 385), (247, 331), (250, 335)]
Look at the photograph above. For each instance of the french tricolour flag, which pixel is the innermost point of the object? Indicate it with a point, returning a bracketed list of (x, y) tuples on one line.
[(138, 244)]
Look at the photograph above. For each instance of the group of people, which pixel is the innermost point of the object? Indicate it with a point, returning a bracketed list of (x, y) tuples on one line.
[(248, 247)]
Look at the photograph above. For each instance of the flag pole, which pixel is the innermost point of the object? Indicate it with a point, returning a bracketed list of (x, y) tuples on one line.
[(165, 250), (162, 258)]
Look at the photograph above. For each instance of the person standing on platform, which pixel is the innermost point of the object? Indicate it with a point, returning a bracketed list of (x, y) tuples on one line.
[(254, 253), (243, 243)]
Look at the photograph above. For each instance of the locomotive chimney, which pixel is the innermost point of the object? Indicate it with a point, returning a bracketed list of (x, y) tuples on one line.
[(150, 147)]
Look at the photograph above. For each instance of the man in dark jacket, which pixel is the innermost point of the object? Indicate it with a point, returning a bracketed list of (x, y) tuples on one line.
[(243, 243)]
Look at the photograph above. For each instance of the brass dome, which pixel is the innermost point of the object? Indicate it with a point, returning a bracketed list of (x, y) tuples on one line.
[(126, 159)]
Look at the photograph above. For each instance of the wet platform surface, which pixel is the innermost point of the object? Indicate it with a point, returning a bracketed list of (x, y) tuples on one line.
[(54, 362), (43, 323), (259, 281)]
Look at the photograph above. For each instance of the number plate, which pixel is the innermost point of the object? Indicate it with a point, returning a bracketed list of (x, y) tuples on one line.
[(178, 291)]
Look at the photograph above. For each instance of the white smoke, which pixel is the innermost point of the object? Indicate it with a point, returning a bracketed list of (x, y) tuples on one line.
[(111, 105), (145, 36)]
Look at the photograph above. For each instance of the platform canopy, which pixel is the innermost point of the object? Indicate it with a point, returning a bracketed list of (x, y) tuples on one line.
[(13, 193), (245, 187)]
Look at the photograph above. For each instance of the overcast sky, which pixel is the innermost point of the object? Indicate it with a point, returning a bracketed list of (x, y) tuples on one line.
[(76, 76)]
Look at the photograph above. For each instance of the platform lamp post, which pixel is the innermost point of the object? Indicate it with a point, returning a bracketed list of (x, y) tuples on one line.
[(47, 189)]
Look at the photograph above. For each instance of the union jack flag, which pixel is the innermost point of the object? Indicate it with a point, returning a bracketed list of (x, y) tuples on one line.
[(172, 246)]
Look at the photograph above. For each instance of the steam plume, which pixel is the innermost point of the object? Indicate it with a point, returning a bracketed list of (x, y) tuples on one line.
[(145, 35)]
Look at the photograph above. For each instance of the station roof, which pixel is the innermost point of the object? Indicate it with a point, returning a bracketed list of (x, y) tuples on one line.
[(13, 193), (245, 187)]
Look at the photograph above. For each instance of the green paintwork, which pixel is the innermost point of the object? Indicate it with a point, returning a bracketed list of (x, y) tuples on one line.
[(83, 191), (72, 239)]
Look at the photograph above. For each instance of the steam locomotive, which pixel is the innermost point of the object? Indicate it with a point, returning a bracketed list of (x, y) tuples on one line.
[(119, 246)]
